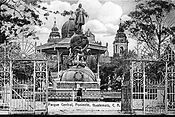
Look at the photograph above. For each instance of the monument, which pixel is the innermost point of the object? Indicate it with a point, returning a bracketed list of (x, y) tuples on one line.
[(72, 50), (75, 84)]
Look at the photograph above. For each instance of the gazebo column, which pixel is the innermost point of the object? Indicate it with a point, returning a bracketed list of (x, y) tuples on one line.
[(58, 61), (98, 69)]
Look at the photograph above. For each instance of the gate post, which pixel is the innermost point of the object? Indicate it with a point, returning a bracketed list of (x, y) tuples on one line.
[(47, 88), (131, 81), (34, 83), (144, 88), (11, 82), (166, 86), (58, 61)]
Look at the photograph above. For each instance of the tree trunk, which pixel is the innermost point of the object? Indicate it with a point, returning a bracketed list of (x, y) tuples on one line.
[(159, 47), (159, 41)]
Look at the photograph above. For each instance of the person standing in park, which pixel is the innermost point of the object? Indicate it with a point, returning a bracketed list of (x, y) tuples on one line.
[(79, 94)]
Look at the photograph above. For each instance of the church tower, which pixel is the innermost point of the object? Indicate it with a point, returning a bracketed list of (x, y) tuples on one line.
[(120, 43)]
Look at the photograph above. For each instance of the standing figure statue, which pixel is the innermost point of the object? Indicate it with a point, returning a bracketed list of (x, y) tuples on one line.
[(80, 17)]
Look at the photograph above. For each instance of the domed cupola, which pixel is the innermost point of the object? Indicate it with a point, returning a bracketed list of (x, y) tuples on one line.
[(54, 35), (68, 28)]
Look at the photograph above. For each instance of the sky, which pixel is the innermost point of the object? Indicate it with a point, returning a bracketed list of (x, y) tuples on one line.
[(104, 18)]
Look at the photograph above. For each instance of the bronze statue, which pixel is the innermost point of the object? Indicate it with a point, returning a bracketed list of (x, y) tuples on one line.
[(79, 20), (80, 17)]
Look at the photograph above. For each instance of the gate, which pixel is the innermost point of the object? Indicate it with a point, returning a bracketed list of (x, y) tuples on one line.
[(23, 79), (137, 86), (153, 87), (4, 85), (170, 83)]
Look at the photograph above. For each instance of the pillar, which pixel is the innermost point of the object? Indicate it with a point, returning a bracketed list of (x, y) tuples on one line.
[(144, 86), (114, 49), (34, 82), (11, 81), (131, 84), (98, 69), (166, 86), (58, 60), (47, 86)]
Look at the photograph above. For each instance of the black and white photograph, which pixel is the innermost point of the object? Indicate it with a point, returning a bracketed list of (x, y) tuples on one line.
[(87, 57)]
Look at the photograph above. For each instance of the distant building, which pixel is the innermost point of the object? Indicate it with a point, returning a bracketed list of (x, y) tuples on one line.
[(105, 58), (120, 43)]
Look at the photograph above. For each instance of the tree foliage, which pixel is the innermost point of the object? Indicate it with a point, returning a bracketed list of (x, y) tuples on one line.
[(92, 63), (23, 69), (17, 17), (122, 64), (119, 67), (149, 25)]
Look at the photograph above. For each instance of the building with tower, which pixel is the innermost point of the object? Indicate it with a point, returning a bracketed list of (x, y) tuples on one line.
[(120, 44)]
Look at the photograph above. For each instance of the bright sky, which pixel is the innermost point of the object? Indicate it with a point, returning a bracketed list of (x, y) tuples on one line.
[(103, 18)]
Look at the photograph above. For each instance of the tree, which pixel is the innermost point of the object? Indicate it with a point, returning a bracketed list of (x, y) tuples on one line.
[(106, 75), (92, 63), (150, 25), (122, 66), (23, 69), (119, 67), (17, 17)]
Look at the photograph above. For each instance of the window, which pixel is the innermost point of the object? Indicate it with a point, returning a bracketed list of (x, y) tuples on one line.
[(121, 50), (116, 49)]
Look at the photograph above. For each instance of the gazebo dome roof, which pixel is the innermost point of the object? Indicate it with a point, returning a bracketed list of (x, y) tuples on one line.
[(54, 35), (55, 29), (68, 28), (78, 74)]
